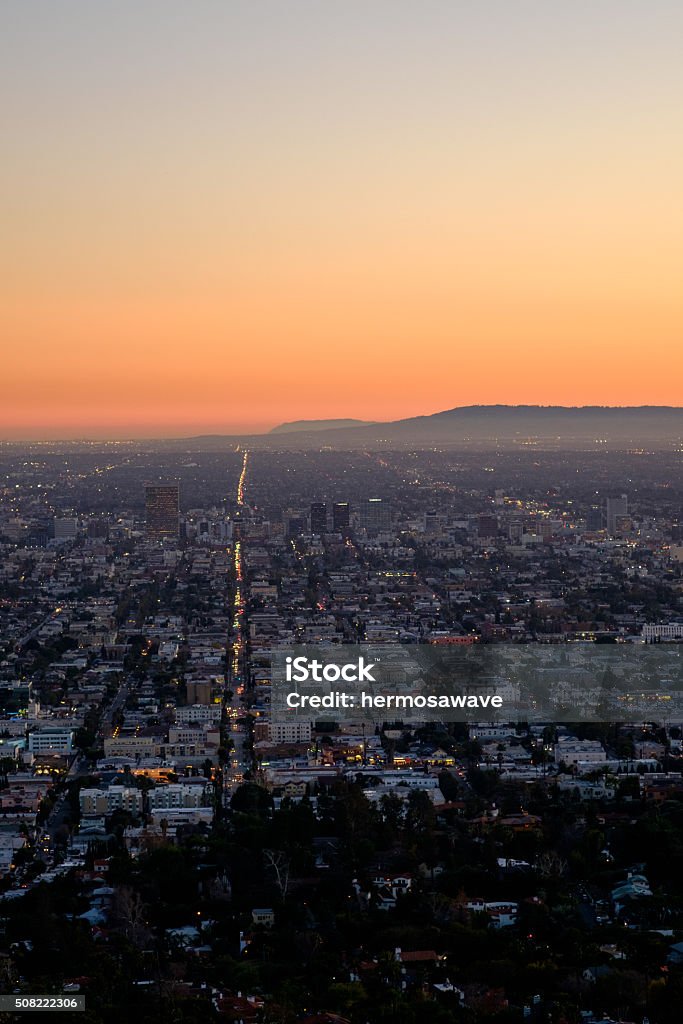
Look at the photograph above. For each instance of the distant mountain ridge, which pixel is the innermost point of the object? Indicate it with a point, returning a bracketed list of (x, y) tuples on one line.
[(296, 425), (506, 426)]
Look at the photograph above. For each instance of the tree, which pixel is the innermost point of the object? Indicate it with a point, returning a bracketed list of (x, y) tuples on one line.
[(420, 816), (549, 865), (279, 862), (251, 799), (129, 914), (448, 784), (391, 809)]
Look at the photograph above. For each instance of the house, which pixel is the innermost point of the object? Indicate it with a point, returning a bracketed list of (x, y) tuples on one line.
[(522, 822), (635, 887), (675, 955), (416, 956), (397, 883), (388, 888), (264, 916), (502, 913), (416, 964), (239, 1009)]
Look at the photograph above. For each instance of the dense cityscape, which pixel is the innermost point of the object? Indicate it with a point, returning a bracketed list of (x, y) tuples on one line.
[(173, 851), (341, 512)]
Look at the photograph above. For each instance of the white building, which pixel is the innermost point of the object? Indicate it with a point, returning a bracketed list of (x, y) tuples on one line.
[(9, 845), (176, 795), (502, 913), (572, 751), (289, 732), (50, 741), (96, 802), (670, 631), (405, 779), (194, 734), (174, 816), (203, 713)]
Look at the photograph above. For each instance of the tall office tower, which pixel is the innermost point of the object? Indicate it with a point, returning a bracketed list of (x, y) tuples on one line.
[(487, 525), (615, 510), (65, 529), (319, 517), (594, 519), (162, 507), (375, 515), (340, 516)]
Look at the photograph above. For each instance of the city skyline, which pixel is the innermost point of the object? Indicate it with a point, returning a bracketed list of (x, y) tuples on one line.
[(216, 221)]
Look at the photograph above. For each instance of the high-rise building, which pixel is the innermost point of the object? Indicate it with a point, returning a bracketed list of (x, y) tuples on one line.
[(65, 529), (616, 509), (340, 516), (375, 515), (319, 517), (487, 525), (161, 509), (594, 519)]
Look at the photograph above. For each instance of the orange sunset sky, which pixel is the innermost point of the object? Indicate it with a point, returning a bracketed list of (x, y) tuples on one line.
[(221, 215)]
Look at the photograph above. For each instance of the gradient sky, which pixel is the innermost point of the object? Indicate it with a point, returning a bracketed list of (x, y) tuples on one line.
[(223, 214)]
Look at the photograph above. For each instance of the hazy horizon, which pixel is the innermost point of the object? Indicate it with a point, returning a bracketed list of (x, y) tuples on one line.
[(284, 436)]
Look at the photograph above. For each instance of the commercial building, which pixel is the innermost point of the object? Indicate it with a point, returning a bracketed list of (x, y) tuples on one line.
[(198, 713), (130, 746), (487, 526), (670, 631), (50, 741), (95, 802), (341, 517), (319, 518), (198, 691), (289, 732), (375, 515), (616, 509), (65, 529), (162, 504), (176, 795)]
